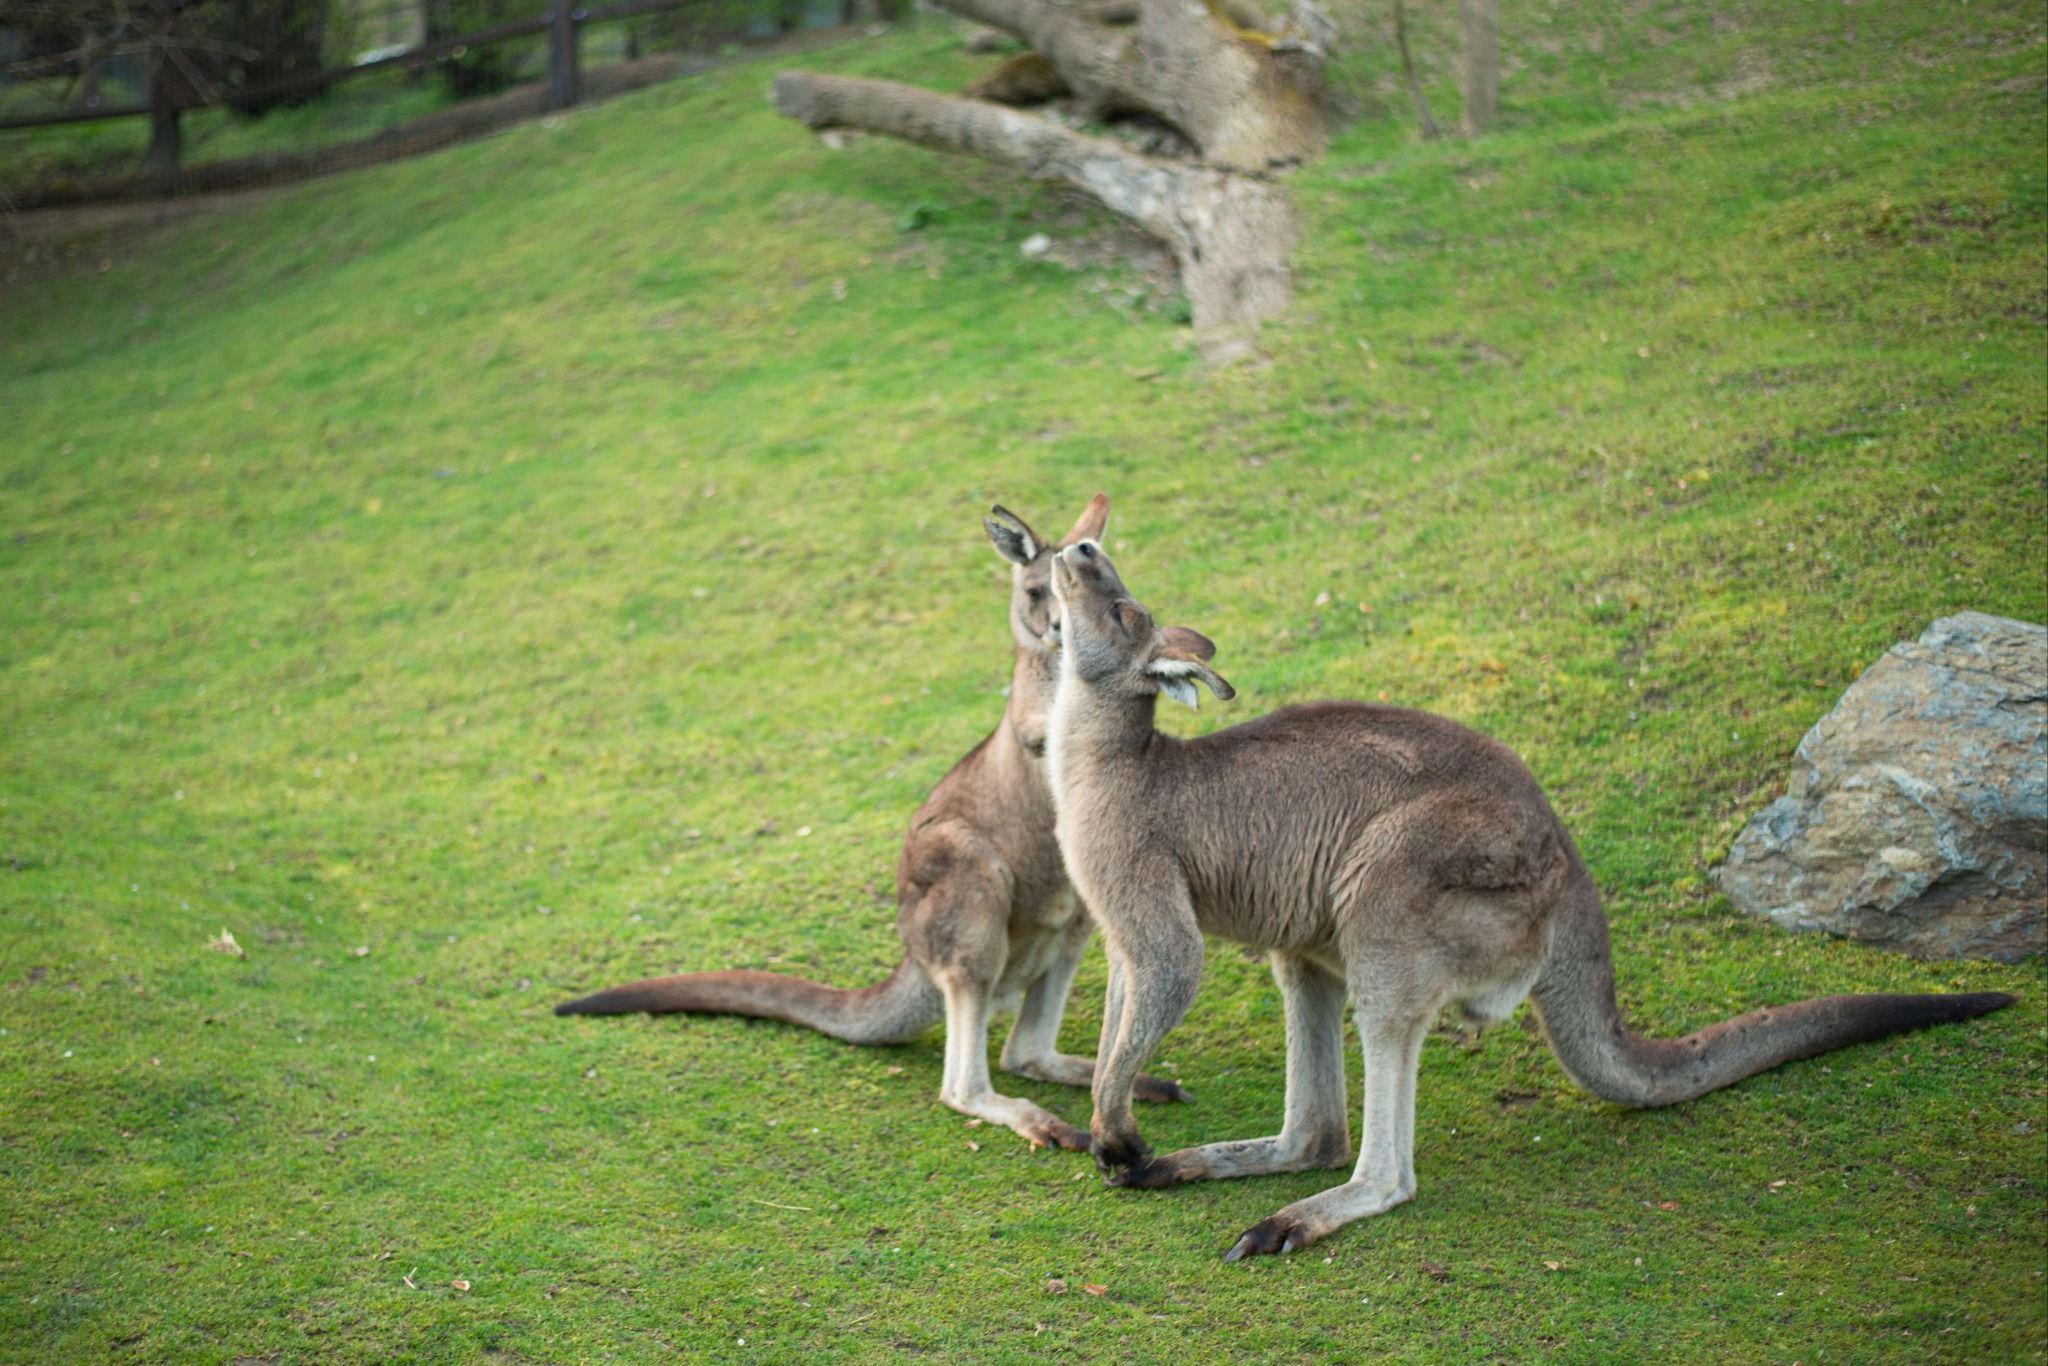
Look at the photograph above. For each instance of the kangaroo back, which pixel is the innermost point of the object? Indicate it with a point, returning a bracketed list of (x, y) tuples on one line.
[(1574, 999), (892, 1011)]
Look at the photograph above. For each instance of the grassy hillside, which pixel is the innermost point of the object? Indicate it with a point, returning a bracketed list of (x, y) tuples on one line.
[(492, 576)]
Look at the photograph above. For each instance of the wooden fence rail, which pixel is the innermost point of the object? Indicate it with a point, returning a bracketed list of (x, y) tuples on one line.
[(562, 24)]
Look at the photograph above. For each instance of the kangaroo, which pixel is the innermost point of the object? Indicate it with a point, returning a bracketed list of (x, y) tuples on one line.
[(988, 920), (1385, 855)]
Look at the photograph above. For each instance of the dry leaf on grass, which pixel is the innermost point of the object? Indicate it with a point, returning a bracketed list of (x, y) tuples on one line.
[(226, 944), (1096, 1289), (460, 1284)]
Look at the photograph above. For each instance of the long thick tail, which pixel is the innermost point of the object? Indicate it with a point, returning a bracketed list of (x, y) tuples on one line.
[(1574, 999), (892, 1011)]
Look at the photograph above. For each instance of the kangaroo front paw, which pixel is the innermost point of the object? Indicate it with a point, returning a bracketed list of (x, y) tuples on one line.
[(1112, 1155), (1159, 1089), (1279, 1233)]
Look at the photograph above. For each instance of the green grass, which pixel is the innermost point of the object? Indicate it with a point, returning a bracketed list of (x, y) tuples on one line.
[(466, 580)]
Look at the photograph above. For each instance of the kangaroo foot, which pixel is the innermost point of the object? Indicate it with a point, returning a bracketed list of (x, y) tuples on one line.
[(1150, 1173), (1066, 1070), (1159, 1089), (1304, 1221), (1039, 1127), (1057, 1133), (1277, 1233)]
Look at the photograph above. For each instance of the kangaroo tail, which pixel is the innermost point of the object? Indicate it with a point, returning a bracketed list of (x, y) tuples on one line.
[(892, 1011), (1574, 1000)]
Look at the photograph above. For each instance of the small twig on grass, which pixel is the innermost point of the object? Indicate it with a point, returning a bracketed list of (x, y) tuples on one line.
[(772, 1205)]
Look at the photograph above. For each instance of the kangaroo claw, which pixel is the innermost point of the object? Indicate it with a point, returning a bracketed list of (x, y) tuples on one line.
[(1059, 1134), (1274, 1234), (1111, 1155)]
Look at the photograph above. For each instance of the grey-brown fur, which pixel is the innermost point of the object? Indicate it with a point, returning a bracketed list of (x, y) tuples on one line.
[(988, 920), (1384, 855)]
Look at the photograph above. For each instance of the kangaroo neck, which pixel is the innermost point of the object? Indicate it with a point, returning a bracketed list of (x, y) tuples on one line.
[(1089, 730), (1034, 681)]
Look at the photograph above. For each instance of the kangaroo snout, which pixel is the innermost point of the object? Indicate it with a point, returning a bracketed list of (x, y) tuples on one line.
[(1062, 575), (1072, 564)]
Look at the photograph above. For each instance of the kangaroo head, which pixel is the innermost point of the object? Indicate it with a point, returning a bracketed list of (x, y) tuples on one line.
[(1111, 643), (1034, 612)]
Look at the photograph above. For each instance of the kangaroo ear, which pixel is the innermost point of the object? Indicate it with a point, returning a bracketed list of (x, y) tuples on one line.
[(1181, 659), (1013, 540), (1093, 519), (1179, 640)]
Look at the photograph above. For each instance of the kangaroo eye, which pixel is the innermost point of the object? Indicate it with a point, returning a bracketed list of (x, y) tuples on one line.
[(1035, 594)]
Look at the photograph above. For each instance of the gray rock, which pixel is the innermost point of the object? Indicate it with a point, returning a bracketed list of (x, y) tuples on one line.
[(1917, 817)]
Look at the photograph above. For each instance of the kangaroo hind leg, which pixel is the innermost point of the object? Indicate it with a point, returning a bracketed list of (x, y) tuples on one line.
[(958, 930), (966, 1087), (1394, 1014)]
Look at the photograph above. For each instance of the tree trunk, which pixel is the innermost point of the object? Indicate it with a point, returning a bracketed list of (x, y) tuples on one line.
[(1231, 234), (1429, 129), (1249, 100), (1481, 22)]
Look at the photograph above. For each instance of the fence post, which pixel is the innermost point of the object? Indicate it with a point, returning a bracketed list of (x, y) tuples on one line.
[(562, 55), (161, 165)]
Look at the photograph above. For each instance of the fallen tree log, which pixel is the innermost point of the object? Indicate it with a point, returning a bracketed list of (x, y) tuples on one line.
[(1246, 95)]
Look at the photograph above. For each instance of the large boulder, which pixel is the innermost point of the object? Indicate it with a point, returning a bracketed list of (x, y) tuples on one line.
[(1917, 817)]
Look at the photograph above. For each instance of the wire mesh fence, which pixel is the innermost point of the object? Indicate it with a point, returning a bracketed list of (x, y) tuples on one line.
[(110, 99)]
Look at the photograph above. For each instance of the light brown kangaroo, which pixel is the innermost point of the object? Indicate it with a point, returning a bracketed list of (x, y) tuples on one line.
[(1386, 855), (988, 920)]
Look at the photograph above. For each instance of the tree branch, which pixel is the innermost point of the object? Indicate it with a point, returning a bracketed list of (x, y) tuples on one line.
[(1130, 184), (1231, 234)]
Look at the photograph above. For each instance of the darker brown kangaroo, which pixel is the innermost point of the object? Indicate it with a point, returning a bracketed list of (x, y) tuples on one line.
[(988, 920), (1384, 855)]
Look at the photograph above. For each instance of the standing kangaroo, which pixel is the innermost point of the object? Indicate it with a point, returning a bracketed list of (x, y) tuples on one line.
[(1386, 855), (988, 920)]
